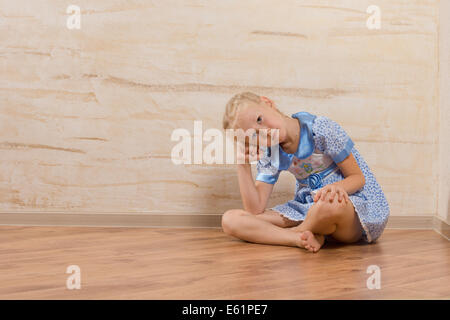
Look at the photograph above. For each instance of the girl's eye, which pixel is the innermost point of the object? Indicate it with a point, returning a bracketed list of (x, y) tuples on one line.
[(259, 120)]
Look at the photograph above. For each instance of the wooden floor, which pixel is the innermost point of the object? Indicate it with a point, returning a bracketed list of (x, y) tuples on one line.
[(176, 263)]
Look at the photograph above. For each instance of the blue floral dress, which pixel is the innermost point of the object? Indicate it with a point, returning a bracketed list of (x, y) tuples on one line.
[(322, 144)]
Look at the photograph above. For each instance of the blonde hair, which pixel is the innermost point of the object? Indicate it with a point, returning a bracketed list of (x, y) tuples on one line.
[(234, 105)]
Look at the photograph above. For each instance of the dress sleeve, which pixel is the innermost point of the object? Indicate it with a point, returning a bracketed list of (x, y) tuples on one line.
[(266, 170), (331, 139)]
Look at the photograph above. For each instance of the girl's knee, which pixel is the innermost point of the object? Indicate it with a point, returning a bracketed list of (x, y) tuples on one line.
[(229, 220), (329, 211)]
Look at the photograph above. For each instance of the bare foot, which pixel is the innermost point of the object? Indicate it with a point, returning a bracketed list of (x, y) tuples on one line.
[(311, 242)]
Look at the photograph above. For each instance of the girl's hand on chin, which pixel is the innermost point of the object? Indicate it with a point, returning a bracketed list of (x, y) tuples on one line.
[(248, 154)]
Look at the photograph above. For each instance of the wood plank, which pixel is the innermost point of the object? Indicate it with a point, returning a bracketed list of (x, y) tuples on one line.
[(184, 263)]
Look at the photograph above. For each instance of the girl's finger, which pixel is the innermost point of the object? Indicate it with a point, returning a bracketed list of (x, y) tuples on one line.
[(260, 153), (333, 194), (259, 156), (323, 194), (340, 195), (326, 193), (317, 196)]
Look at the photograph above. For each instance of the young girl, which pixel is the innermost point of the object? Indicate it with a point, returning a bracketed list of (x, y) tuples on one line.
[(336, 198)]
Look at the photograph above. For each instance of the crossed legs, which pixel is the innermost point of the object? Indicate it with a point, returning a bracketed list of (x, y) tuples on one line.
[(325, 217)]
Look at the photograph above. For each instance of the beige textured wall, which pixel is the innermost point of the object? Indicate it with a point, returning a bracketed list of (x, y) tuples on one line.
[(444, 107), (86, 115)]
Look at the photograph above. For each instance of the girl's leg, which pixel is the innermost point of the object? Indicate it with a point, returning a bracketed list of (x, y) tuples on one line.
[(277, 219), (265, 228), (331, 217)]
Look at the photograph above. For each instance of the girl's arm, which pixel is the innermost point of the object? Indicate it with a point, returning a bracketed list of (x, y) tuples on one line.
[(354, 178), (254, 195)]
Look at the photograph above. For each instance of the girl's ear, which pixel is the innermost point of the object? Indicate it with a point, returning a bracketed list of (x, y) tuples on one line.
[(268, 101)]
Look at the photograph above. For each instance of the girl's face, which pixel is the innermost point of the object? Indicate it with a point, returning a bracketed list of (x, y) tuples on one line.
[(262, 116)]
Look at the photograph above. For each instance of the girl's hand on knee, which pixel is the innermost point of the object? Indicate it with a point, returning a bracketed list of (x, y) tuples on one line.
[(329, 192)]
